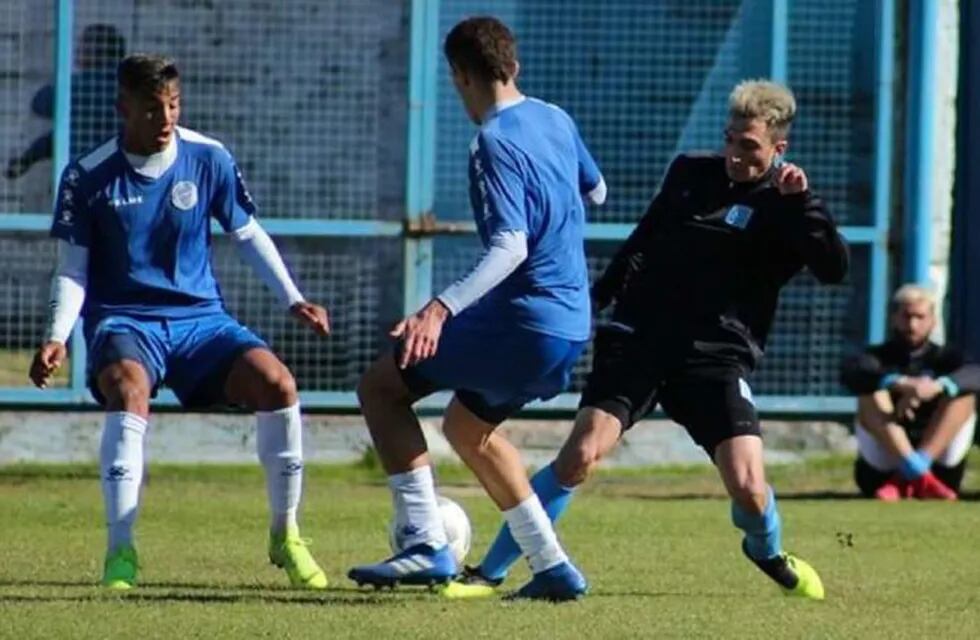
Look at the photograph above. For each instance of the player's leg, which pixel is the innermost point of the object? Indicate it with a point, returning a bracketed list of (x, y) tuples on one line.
[(620, 390), (125, 365), (875, 414), (754, 511), (594, 434), (470, 428), (386, 394), (876, 467), (259, 381), (215, 361), (714, 403), (947, 441)]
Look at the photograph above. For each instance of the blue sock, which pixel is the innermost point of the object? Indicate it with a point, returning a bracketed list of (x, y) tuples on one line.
[(504, 551), (916, 465), (764, 532)]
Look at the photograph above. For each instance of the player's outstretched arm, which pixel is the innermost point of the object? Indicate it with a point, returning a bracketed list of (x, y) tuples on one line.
[(67, 297), (820, 245), (258, 250)]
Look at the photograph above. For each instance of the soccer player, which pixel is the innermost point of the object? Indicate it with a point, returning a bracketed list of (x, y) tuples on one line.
[(916, 407), (695, 289), (133, 227), (503, 335)]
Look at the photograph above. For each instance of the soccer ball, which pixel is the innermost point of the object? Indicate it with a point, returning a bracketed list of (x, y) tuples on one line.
[(457, 525)]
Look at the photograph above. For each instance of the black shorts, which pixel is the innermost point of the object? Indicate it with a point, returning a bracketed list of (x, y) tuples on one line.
[(708, 397)]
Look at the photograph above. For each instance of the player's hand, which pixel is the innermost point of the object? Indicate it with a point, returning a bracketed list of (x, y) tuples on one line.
[(791, 179), (907, 405), (914, 392), (47, 360), (420, 333), (926, 388), (312, 315)]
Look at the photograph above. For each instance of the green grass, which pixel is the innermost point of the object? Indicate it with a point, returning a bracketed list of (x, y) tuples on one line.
[(656, 544)]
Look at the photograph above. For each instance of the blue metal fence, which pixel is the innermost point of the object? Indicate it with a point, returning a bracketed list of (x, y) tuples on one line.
[(347, 128)]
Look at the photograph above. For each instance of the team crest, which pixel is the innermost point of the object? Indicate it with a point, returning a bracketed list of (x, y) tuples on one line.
[(738, 216), (184, 195)]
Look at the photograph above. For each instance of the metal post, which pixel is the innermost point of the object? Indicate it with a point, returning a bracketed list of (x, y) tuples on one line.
[(779, 49), (920, 132), (420, 180), (64, 17), (881, 200), (765, 25)]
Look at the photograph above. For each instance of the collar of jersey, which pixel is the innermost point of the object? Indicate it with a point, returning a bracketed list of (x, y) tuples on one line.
[(503, 106), (168, 156)]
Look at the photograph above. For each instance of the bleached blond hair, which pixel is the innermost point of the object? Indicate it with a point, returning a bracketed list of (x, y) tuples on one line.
[(913, 294), (769, 101)]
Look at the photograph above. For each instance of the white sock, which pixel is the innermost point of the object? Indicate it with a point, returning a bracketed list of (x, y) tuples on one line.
[(121, 462), (532, 530), (416, 509), (279, 441)]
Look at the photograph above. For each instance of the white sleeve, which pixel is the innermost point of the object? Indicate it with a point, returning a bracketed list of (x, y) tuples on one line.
[(67, 291), (507, 250), (258, 250), (598, 194)]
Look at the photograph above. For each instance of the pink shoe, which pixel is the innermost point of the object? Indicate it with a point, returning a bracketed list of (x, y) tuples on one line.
[(891, 491), (929, 487)]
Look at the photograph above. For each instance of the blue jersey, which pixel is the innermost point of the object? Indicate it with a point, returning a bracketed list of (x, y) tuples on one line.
[(528, 171), (149, 240)]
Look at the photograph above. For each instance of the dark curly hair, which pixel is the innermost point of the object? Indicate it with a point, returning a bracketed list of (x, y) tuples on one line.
[(482, 46)]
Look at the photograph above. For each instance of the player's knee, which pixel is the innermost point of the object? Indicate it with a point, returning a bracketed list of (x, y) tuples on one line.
[(125, 388), (277, 388), (576, 463), (961, 404), (378, 385)]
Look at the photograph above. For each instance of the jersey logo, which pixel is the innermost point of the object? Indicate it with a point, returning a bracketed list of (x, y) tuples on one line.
[(738, 216), (184, 195), (745, 391)]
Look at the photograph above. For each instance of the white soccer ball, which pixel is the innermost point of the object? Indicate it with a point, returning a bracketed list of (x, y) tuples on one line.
[(456, 522)]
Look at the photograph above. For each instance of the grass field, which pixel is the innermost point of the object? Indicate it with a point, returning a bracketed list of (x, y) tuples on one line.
[(656, 544)]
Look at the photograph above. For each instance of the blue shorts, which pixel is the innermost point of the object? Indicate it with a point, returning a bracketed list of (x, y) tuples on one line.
[(495, 371), (193, 356)]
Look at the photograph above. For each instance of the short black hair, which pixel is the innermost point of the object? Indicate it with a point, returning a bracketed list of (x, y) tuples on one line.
[(146, 73), (484, 47)]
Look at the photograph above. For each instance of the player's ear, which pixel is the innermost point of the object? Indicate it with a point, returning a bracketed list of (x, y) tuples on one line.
[(781, 146), (517, 71)]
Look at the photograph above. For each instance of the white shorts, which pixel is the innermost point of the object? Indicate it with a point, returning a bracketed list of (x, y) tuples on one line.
[(876, 455)]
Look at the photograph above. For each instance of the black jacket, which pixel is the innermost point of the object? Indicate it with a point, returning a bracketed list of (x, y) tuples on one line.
[(705, 264), (863, 374)]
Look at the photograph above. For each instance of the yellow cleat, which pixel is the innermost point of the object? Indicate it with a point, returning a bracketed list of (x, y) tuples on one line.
[(290, 552), (471, 584), (794, 575), (808, 583), (460, 591), (120, 569)]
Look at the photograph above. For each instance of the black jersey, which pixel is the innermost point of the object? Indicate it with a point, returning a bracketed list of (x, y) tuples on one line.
[(705, 264), (866, 373)]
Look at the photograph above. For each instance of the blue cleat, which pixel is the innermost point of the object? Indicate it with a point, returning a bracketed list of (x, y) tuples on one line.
[(557, 584), (419, 565)]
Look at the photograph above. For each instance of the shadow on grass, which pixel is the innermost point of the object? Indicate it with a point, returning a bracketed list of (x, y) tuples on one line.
[(842, 496), (217, 595)]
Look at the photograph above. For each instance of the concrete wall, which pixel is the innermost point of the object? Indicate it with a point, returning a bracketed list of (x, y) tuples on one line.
[(222, 438)]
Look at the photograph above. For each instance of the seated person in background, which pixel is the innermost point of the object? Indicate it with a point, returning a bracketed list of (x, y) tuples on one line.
[(915, 407)]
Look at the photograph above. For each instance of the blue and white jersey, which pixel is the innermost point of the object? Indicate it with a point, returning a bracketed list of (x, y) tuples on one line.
[(528, 171), (149, 240)]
